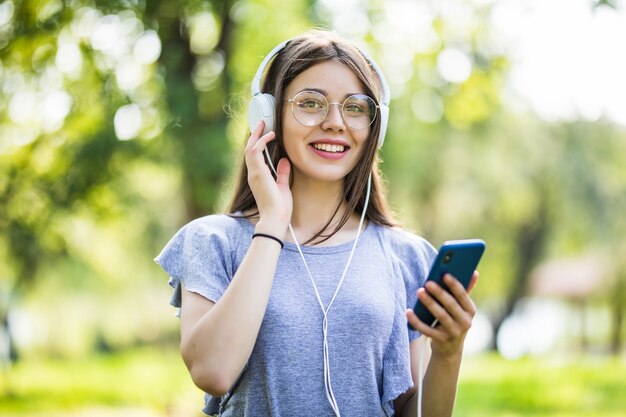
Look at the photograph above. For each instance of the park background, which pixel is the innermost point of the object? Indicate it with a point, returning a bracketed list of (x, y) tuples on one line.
[(122, 120)]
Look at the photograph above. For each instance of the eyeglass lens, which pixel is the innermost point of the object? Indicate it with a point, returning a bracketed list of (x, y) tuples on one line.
[(310, 108)]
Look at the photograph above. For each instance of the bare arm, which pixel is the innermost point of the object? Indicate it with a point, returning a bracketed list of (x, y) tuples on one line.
[(217, 338), (454, 313)]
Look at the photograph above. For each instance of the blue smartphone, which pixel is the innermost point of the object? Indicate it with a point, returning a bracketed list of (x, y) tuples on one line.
[(457, 257)]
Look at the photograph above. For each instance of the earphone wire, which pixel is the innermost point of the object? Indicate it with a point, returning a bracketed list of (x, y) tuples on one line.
[(327, 379), (420, 371)]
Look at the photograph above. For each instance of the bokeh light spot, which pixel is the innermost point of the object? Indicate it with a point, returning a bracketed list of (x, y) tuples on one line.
[(147, 48), (127, 121), (454, 65)]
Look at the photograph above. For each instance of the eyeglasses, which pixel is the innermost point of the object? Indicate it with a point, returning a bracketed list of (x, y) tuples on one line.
[(310, 108)]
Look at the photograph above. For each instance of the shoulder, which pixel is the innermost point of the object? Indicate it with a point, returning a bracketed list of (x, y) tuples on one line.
[(214, 231), (404, 244), (218, 224), (410, 256)]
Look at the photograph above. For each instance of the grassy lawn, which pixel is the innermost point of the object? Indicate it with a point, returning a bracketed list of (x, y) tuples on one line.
[(494, 387), (154, 383), (139, 383)]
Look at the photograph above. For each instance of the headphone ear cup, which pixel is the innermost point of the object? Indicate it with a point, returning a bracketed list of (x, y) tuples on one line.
[(384, 120), (262, 107)]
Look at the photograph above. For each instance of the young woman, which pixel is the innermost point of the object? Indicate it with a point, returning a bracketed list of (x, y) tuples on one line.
[(296, 302)]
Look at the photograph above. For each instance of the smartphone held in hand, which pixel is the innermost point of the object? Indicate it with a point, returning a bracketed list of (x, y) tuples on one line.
[(458, 258)]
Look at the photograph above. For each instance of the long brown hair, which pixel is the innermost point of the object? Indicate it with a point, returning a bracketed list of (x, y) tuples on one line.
[(298, 55)]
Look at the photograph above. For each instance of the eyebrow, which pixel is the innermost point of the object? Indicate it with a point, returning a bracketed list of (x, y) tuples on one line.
[(325, 93)]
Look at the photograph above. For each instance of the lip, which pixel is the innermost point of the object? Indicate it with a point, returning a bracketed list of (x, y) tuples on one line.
[(330, 155), (331, 141)]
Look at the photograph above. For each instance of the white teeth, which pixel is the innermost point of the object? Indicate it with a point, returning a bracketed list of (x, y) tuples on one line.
[(326, 147)]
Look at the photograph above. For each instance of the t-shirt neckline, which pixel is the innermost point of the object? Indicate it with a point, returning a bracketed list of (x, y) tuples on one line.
[(342, 247)]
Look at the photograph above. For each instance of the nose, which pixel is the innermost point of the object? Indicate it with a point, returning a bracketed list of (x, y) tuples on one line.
[(334, 119)]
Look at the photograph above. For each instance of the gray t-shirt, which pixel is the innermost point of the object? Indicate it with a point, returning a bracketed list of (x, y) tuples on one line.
[(367, 331)]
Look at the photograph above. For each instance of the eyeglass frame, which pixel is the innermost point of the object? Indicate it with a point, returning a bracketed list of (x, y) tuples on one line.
[(292, 100)]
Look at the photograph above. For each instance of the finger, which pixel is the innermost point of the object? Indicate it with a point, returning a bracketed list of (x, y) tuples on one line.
[(282, 172), (473, 281), (422, 327), (254, 151), (453, 322), (414, 321), (439, 302), (255, 134), (264, 140), (461, 295)]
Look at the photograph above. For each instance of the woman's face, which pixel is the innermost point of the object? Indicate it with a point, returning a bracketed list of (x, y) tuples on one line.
[(331, 149)]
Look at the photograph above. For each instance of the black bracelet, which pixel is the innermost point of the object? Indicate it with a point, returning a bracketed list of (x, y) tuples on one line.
[(280, 242)]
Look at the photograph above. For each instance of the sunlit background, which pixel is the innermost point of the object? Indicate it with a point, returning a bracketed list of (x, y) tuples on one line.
[(122, 120)]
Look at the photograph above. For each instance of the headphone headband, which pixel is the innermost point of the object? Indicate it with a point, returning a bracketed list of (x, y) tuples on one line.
[(262, 104), (255, 87)]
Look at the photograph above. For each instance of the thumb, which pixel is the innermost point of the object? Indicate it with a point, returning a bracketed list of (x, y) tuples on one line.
[(282, 172), (472, 281)]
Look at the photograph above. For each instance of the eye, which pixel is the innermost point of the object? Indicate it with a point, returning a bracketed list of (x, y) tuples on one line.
[(310, 105), (354, 108), (359, 106)]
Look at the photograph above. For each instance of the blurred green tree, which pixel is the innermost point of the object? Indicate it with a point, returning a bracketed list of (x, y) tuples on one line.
[(121, 120), (104, 107)]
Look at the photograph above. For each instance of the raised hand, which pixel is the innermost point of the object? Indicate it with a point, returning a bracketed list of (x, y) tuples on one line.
[(273, 197)]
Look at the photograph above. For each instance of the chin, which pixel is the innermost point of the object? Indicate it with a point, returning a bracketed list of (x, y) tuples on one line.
[(325, 174)]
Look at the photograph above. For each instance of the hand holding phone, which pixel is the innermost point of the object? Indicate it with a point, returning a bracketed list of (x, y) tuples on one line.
[(458, 258)]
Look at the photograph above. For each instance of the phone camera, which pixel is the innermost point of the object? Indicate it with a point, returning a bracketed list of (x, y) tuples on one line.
[(447, 257)]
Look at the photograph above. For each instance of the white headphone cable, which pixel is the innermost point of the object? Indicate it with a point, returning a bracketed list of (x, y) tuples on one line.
[(420, 371), (327, 380)]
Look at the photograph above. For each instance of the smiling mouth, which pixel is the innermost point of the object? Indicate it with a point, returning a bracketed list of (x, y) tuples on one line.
[(327, 147)]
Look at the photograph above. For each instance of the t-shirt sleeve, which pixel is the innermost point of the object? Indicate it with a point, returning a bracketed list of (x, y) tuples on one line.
[(411, 259), (414, 259), (396, 361), (199, 259)]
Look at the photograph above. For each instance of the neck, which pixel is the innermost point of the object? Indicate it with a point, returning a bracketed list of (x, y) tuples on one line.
[(314, 203)]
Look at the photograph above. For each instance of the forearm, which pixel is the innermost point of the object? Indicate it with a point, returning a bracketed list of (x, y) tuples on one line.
[(219, 344), (454, 310), (440, 385), (439, 390)]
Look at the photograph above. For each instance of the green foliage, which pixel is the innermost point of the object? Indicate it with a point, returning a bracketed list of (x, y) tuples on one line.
[(85, 205)]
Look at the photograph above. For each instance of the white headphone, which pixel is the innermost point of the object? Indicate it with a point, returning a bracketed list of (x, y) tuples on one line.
[(262, 105)]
